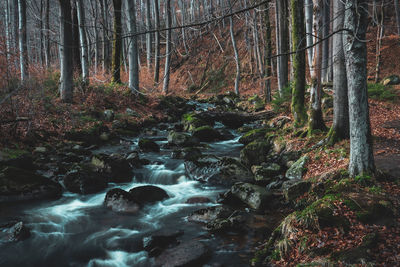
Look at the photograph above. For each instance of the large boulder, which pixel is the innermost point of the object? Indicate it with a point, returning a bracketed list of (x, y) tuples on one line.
[(297, 169), (254, 196), (84, 180), (22, 160), (148, 194), (192, 121), (206, 134), (293, 189), (147, 145), (20, 185), (255, 153), (158, 241), (266, 172), (181, 139), (121, 201), (253, 135), (220, 171), (18, 232), (220, 219), (191, 253), (188, 153), (116, 167)]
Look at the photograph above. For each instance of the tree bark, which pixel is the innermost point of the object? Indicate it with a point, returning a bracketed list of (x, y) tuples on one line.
[(105, 42), (235, 50), (361, 153), (47, 34), (117, 43), (75, 38), (133, 48), (268, 54), (299, 63), (325, 44), (340, 125), (316, 121), (83, 42), (397, 9), (157, 42), (148, 35), (282, 42), (308, 10), (168, 49), (8, 32), (23, 52), (66, 62)]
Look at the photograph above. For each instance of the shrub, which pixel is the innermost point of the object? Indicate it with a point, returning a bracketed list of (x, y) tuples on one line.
[(380, 92)]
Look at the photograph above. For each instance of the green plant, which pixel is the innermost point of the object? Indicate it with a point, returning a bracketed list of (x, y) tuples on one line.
[(280, 102), (381, 92), (363, 179)]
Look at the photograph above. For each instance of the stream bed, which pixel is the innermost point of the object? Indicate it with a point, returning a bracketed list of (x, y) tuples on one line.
[(77, 230)]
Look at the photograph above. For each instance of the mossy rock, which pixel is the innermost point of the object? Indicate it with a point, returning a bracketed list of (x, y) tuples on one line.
[(296, 171), (360, 254), (371, 208), (266, 172), (255, 152), (147, 145), (257, 102), (254, 196), (23, 185), (191, 122), (294, 189), (391, 80), (253, 135), (206, 134), (181, 139)]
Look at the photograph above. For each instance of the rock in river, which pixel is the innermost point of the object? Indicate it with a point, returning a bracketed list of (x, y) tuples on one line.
[(84, 181), (148, 194), (18, 185), (220, 171), (119, 200), (191, 253)]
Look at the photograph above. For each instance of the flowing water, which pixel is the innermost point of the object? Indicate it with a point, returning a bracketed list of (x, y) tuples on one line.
[(77, 230)]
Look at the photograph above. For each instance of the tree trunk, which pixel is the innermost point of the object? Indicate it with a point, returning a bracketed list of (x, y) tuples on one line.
[(235, 50), (47, 34), (379, 36), (325, 44), (268, 54), (282, 42), (157, 42), (75, 38), (340, 126), (66, 62), (309, 31), (83, 43), (117, 43), (397, 9), (133, 48), (168, 49), (316, 121), (361, 153), (148, 35), (105, 43), (299, 63), (23, 53), (8, 33)]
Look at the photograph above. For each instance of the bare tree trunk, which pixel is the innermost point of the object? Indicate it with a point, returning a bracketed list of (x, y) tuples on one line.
[(299, 63), (8, 32), (235, 50), (83, 43), (379, 36), (105, 42), (47, 34), (148, 35), (117, 42), (309, 31), (66, 62), (23, 53), (361, 152), (133, 48), (397, 9), (157, 42), (168, 49), (282, 37), (75, 38), (316, 121), (268, 53), (340, 126), (325, 43)]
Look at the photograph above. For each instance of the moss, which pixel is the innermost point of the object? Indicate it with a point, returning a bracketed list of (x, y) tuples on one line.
[(381, 92), (13, 153), (253, 135)]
